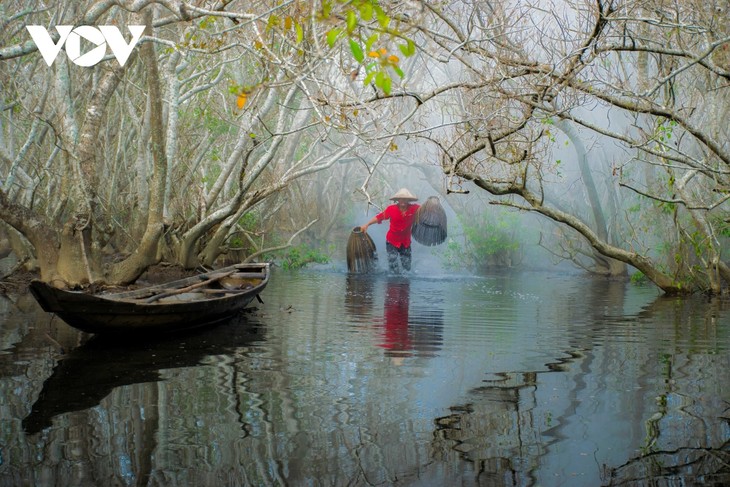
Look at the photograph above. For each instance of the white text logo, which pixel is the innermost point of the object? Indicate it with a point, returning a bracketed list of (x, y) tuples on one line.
[(99, 36)]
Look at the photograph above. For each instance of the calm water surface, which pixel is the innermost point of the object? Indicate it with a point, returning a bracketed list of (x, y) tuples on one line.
[(519, 379)]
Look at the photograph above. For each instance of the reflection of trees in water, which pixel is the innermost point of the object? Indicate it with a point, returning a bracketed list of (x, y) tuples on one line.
[(89, 373), (261, 419), (686, 456), (118, 420), (359, 295), (510, 426), (500, 435), (683, 466), (496, 432)]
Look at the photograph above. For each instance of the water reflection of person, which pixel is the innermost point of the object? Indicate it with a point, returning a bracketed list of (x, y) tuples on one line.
[(409, 332), (396, 338)]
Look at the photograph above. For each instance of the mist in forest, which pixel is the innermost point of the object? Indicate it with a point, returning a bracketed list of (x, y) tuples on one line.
[(216, 143)]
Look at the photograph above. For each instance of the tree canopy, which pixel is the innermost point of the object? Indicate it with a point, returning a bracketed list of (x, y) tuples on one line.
[(605, 117)]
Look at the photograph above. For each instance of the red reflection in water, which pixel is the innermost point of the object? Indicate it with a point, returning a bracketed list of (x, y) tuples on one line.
[(396, 338)]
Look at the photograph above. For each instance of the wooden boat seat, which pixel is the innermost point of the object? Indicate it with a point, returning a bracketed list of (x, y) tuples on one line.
[(183, 297)]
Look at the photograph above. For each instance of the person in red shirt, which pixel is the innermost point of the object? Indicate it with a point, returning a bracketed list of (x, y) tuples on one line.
[(398, 239)]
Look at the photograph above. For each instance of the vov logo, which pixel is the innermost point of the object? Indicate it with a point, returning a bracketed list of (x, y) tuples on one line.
[(71, 36)]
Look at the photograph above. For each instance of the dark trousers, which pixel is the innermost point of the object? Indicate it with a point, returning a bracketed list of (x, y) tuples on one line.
[(396, 253)]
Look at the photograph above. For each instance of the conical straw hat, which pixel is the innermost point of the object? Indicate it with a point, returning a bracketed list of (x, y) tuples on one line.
[(404, 194)]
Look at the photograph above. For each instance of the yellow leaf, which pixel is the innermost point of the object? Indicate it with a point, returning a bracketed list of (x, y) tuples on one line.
[(373, 54), (241, 100), (287, 23), (393, 59)]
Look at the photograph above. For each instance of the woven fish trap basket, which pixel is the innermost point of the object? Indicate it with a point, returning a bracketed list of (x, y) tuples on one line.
[(429, 226), (361, 254)]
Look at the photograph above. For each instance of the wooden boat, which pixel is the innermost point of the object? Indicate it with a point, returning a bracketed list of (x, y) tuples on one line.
[(186, 303)]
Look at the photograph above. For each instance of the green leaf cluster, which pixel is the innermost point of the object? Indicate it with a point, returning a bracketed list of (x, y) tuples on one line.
[(366, 26), (488, 241), (302, 255)]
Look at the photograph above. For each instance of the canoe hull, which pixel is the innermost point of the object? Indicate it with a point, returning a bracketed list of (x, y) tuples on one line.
[(130, 311)]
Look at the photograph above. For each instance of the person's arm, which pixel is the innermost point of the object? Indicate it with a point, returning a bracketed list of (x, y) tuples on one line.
[(374, 219), (383, 215)]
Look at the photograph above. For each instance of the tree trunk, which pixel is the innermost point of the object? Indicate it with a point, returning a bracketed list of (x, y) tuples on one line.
[(39, 233), (146, 253), (173, 96), (604, 266), (663, 281)]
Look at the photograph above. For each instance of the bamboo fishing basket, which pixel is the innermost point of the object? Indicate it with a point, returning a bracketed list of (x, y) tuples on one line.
[(429, 227), (361, 253)]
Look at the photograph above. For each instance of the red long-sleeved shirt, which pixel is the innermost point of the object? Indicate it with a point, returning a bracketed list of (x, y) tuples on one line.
[(399, 233)]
